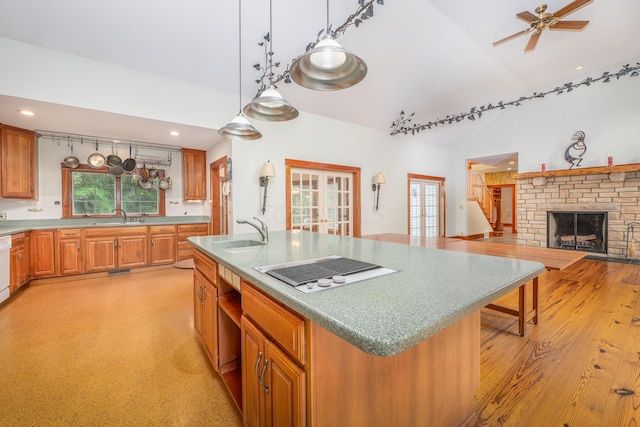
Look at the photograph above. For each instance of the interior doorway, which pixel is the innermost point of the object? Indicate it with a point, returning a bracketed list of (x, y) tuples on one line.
[(426, 200), (220, 185)]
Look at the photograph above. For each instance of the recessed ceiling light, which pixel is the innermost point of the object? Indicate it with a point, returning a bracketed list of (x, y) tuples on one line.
[(579, 67), (511, 163), (26, 112), (175, 133), (116, 140)]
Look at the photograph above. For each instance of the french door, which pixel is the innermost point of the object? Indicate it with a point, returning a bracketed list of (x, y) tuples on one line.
[(321, 201), (426, 206)]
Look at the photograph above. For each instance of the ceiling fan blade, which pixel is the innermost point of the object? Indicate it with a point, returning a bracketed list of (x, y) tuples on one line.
[(533, 41), (571, 7), (569, 25), (511, 37), (527, 17)]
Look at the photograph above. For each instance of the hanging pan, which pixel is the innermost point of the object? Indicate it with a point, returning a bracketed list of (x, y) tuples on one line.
[(113, 159), (129, 165), (71, 161), (145, 184), (96, 160)]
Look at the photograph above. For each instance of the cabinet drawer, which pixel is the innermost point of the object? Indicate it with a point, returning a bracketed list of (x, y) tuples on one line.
[(193, 229), (162, 229), (281, 324), (206, 266), (17, 239), (69, 233)]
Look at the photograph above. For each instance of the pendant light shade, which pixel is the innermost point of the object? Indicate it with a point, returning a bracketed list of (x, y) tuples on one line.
[(270, 105), (328, 66), (239, 127)]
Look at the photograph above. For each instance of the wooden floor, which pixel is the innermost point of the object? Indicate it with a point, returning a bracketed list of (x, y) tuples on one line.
[(579, 367), (120, 350)]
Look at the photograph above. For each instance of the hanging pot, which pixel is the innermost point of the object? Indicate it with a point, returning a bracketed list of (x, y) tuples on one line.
[(71, 161), (144, 172), (163, 183), (96, 160), (129, 165), (113, 159), (116, 170), (153, 173), (145, 184)]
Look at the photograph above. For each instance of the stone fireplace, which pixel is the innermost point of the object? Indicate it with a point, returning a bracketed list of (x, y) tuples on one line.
[(578, 231), (612, 194)]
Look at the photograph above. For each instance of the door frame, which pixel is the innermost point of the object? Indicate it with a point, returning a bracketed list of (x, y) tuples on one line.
[(355, 174), (214, 182), (439, 179)]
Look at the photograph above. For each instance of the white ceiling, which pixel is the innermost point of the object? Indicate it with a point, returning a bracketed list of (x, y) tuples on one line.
[(433, 57)]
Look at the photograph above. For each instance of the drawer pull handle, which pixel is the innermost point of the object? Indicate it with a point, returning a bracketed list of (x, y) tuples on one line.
[(255, 368)]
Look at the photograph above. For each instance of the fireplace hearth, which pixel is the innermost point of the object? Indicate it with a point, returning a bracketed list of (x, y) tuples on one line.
[(582, 231)]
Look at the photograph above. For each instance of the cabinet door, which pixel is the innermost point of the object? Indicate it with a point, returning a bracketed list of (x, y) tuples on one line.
[(100, 253), (163, 249), (252, 363), (42, 245), (194, 174), (70, 256), (198, 302), (284, 388), (209, 316), (133, 251), (17, 163), (15, 268)]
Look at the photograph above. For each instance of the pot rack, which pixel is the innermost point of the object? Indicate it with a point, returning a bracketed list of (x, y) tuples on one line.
[(108, 143)]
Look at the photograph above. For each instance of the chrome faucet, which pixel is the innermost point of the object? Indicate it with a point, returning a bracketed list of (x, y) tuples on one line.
[(262, 229), (123, 213)]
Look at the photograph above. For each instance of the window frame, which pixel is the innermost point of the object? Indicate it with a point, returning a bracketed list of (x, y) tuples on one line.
[(67, 190)]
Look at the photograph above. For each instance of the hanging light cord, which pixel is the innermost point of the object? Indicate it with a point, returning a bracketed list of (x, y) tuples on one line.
[(327, 17), (270, 43), (239, 56)]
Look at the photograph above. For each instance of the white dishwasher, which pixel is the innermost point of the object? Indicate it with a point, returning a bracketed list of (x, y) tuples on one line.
[(5, 256)]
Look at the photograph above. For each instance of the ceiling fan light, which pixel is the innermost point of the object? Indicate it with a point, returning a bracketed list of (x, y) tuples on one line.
[(328, 66), (270, 106), (240, 128)]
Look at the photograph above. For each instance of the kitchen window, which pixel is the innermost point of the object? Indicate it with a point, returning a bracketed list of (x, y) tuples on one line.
[(96, 193)]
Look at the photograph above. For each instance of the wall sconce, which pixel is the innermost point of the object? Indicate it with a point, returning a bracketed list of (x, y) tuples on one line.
[(377, 180), (266, 172)]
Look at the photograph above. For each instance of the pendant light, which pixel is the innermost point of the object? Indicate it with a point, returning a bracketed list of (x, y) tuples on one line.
[(239, 127), (270, 105), (328, 66)]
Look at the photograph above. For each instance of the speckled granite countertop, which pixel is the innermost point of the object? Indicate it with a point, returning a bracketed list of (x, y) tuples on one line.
[(17, 226), (386, 315)]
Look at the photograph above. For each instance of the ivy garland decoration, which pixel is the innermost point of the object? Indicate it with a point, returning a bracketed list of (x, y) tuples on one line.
[(362, 13), (403, 125)]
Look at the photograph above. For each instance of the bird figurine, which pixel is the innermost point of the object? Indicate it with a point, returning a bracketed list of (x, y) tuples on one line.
[(574, 153)]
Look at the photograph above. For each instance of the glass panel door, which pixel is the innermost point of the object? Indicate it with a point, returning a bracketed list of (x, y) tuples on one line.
[(425, 208), (321, 201)]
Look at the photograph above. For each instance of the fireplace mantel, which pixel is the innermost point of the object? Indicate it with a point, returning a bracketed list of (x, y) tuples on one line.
[(631, 167)]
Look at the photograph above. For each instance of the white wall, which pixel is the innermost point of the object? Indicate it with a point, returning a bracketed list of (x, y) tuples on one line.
[(318, 139)]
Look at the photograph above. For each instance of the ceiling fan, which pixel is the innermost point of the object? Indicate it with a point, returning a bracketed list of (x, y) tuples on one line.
[(546, 20)]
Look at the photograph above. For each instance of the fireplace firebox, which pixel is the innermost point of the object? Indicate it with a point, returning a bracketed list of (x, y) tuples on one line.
[(581, 231)]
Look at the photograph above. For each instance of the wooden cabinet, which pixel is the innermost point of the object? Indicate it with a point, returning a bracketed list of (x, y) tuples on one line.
[(115, 247), (206, 305), (163, 244), (274, 383), (185, 249), (19, 268), (43, 247), (70, 251), (194, 174), (133, 251), (17, 163)]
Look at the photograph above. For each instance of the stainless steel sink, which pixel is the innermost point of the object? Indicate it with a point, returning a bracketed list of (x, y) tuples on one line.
[(234, 244)]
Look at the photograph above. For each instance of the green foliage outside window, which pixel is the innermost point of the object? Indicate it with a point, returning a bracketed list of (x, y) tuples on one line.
[(95, 194)]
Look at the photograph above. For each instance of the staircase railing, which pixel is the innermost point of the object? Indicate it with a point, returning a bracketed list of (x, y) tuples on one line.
[(478, 190)]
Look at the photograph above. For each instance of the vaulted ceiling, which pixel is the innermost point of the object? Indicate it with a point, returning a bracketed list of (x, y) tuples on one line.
[(434, 58)]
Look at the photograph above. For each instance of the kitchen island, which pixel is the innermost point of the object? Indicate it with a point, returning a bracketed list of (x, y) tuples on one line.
[(400, 349)]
